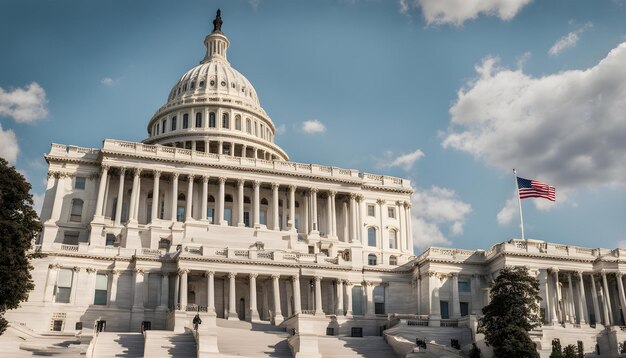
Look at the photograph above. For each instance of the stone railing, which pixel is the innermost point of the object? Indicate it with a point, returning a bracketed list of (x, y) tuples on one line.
[(256, 255), (163, 152), (541, 247), (150, 252), (72, 151), (449, 322), (65, 247)]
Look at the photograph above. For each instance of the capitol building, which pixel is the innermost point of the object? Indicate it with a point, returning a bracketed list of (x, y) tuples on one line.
[(209, 218)]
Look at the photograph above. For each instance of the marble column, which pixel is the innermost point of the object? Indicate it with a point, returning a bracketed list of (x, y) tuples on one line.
[(582, 304), (232, 297), (174, 201), (607, 302), (400, 235), (210, 302), (240, 199), (369, 294), (433, 294), (138, 289), (318, 296), (353, 219), (183, 288), (155, 196), (456, 305), (220, 201), (275, 210), (257, 204), (333, 214), (120, 198), (340, 310), (314, 226), (115, 275), (165, 290), (360, 217), (622, 297), (205, 198), (189, 201), (134, 196), (292, 208), (555, 307), (329, 216), (253, 313), (104, 177), (409, 227), (306, 217), (548, 299), (348, 287), (278, 317), (53, 273), (594, 297), (572, 316), (297, 301)]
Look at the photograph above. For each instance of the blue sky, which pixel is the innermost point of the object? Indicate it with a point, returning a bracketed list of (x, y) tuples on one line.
[(449, 94)]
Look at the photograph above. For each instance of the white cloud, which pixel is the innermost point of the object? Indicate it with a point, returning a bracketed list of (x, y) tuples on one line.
[(24, 105), (255, 3), (313, 126), (404, 161), (456, 12), (567, 41), (433, 211), (108, 81), (508, 212), (566, 129), (9, 148), (38, 202), (281, 129)]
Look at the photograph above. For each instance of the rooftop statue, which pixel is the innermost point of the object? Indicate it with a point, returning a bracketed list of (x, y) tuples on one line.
[(217, 23)]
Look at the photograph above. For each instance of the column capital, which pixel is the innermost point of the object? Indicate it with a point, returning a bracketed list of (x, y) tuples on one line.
[(253, 275), (122, 171), (368, 283), (275, 186), (332, 193), (76, 269), (292, 188), (619, 274), (318, 278), (183, 271), (295, 278), (205, 179), (105, 167), (156, 173), (353, 196), (314, 190), (91, 269), (554, 269), (175, 175), (137, 171), (56, 266), (209, 273), (360, 197), (222, 180), (256, 183), (347, 282), (116, 272), (380, 201), (232, 274), (139, 271), (407, 204), (275, 276), (339, 281), (241, 182), (165, 274), (190, 177)]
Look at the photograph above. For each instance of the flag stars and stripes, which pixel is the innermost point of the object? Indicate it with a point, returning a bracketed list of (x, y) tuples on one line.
[(535, 189)]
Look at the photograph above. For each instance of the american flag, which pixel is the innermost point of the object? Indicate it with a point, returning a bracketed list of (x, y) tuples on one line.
[(535, 189)]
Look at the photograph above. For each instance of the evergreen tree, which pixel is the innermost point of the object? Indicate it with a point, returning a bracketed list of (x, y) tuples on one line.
[(557, 351), (570, 351), (19, 224), (512, 313)]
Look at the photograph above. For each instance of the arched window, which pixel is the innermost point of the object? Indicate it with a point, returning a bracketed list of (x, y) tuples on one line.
[(393, 260), (225, 121), (371, 260), (393, 239), (193, 84), (76, 212), (211, 199), (262, 131), (199, 120), (246, 200), (185, 121), (264, 201), (238, 122), (228, 198), (163, 125), (297, 204), (201, 84), (371, 236), (173, 123), (212, 120), (248, 125), (181, 196)]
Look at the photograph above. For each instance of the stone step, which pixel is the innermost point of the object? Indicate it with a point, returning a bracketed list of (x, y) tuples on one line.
[(256, 341), (111, 344), (339, 347)]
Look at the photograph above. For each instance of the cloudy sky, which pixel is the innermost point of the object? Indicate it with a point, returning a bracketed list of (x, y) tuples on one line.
[(451, 94)]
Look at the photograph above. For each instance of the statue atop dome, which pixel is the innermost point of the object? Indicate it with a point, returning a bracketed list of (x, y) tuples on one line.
[(217, 23)]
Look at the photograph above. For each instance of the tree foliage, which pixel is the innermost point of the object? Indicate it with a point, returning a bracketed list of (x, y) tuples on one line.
[(570, 351), (19, 224), (557, 350), (511, 314)]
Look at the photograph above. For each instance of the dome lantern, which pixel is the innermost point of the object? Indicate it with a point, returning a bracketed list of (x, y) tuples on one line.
[(216, 42)]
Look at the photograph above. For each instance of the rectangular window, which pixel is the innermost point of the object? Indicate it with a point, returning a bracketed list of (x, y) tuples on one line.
[(391, 212), (209, 215), (185, 121), (464, 309), (110, 240), (57, 325), (158, 129), (163, 127), (180, 213), (174, 123), (262, 215), (198, 120), (379, 307), (356, 332), (64, 286), (70, 238), (465, 285), (100, 296), (371, 210), (79, 183), (246, 218)]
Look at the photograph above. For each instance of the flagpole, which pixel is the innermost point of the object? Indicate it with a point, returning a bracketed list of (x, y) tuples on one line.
[(519, 200)]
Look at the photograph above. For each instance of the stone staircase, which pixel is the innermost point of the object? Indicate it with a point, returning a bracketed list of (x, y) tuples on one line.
[(344, 347), (111, 344), (439, 335), (18, 342), (164, 344), (239, 338)]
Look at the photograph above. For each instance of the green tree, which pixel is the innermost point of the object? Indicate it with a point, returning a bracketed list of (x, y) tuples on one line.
[(557, 351), (511, 314), (19, 224), (570, 351)]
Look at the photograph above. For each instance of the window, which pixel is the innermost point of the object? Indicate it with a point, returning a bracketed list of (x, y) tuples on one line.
[(185, 121), (371, 236), (198, 120), (262, 217), (464, 308), (209, 215), (174, 123), (225, 121), (201, 83), (371, 260), (393, 239), (391, 212), (158, 129), (379, 300), (371, 210), (100, 296), (246, 218), (57, 325), (356, 332), (76, 212), (180, 213), (64, 286), (70, 238), (163, 126), (330, 331), (238, 122), (262, 130), (79, 183), (212, 119), (193, 84), (110, 239), (248, 126), (393, 260), (465, 285)]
